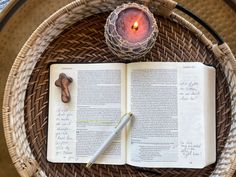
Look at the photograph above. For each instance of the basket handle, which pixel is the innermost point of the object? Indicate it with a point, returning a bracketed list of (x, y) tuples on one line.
[(8, 12), (165, 8), (201, 22)]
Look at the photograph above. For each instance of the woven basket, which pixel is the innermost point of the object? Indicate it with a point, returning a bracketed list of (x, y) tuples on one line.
[(75, 34)]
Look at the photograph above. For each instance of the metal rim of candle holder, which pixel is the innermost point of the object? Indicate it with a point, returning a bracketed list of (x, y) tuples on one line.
[(123, 48)]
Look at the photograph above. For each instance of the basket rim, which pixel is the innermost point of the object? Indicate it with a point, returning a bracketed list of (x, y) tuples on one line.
[(50, 23)]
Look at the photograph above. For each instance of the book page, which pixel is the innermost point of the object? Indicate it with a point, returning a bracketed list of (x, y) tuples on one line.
[(167, 102), (191, 115), (78, 128)]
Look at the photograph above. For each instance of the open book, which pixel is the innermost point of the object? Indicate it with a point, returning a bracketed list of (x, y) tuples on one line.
[(173, 105)]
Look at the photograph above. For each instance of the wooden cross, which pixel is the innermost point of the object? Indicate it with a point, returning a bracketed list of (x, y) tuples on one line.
[(63, 82)]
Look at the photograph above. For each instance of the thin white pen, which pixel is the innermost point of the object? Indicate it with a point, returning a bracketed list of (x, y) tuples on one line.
[(123, 121)]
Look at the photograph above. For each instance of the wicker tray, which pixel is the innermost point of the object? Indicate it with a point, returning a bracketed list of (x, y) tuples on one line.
[(75, 34)]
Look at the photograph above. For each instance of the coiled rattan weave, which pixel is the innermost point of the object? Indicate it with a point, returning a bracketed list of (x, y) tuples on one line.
[(75, 34)]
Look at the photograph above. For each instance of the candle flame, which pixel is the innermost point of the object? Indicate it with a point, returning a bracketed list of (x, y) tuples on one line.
[(135, 26)]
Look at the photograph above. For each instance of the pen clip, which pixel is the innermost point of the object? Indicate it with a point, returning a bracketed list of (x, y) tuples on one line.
[(122, 118), (88, 165)]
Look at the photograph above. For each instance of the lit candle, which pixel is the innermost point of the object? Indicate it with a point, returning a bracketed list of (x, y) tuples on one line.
[(131, 31), (133, 25)]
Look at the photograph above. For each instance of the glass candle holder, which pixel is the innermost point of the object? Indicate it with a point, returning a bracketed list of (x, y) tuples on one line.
[(131, 31)]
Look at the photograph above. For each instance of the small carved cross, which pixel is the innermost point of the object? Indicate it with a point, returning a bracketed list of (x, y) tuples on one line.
[(63, 82)]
